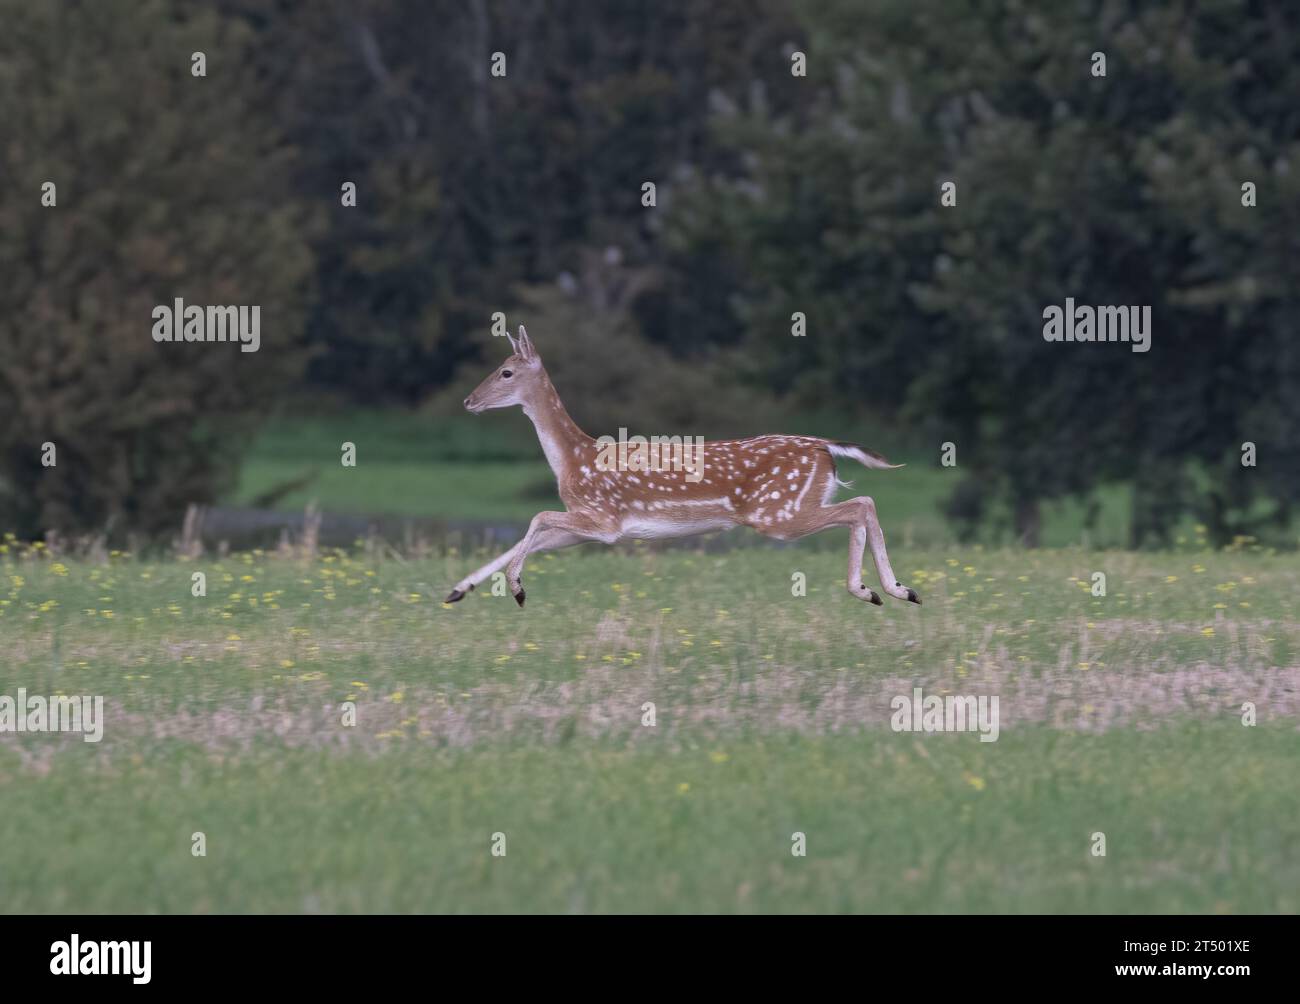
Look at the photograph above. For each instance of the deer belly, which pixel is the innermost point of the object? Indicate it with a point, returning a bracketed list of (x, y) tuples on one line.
[(649, 525)]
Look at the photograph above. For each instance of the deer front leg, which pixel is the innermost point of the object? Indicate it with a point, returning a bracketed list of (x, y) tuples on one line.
[(577, 525), (548, 540)]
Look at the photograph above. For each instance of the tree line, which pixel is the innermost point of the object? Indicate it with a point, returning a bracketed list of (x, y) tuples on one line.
[(909, 184)]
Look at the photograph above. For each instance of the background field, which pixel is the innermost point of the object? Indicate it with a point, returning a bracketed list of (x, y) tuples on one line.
[(1119, 714), (490, 468)]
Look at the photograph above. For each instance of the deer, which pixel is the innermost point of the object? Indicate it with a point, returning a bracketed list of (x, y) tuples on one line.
[(781, 486)]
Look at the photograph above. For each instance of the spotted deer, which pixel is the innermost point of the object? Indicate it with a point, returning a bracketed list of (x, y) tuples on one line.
[(780, 485)]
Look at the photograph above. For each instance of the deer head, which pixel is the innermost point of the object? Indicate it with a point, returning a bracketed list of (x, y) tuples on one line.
[(515, 381)]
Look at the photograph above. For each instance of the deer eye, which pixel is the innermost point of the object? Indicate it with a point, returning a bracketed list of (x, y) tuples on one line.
[(505, 374)]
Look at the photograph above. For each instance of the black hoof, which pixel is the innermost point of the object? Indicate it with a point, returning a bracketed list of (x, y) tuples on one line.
[(875, 597), (519, 597), (456, 595), (913, 598)]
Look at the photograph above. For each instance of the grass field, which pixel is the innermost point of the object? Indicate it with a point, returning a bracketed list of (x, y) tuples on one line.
[(1119, 714), (489, 467)]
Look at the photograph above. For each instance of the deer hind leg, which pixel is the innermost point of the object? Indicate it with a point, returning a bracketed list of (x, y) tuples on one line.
[(575, 525), (548, 540), (859, 515), (876, 541)]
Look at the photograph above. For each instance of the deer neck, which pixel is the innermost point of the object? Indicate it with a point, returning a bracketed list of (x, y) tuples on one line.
[(562, 441)]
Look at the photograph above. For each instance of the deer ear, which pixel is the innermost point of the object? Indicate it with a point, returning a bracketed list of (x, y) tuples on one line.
[(526, 349)]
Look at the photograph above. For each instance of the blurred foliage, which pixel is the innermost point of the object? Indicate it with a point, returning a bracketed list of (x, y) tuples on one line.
[(776, 194), (470, 185), (1117, 190), (167, 185)]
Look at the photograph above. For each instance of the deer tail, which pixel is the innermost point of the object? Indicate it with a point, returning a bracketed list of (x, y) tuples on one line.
[(867, 458)]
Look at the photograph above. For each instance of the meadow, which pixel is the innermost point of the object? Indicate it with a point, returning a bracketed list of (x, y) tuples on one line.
[(490, 468), (1120, 714)]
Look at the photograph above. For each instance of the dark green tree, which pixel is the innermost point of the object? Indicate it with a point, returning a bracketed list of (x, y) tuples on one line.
[(471, 186), (166, 185), (1122, 189)]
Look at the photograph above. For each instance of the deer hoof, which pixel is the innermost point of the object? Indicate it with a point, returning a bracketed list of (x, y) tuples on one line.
[(874, 598), (913, 598), (519, 597), (456, 595)]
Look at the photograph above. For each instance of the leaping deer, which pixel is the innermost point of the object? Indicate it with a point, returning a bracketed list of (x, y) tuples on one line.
[(779, 485)]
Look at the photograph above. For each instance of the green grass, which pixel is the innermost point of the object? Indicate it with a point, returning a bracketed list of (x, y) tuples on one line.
[(1119, 714), (889, 825), (408, 464), (490, 467)]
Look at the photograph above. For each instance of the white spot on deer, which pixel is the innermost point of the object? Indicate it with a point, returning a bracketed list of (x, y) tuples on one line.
[(807, 484)]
